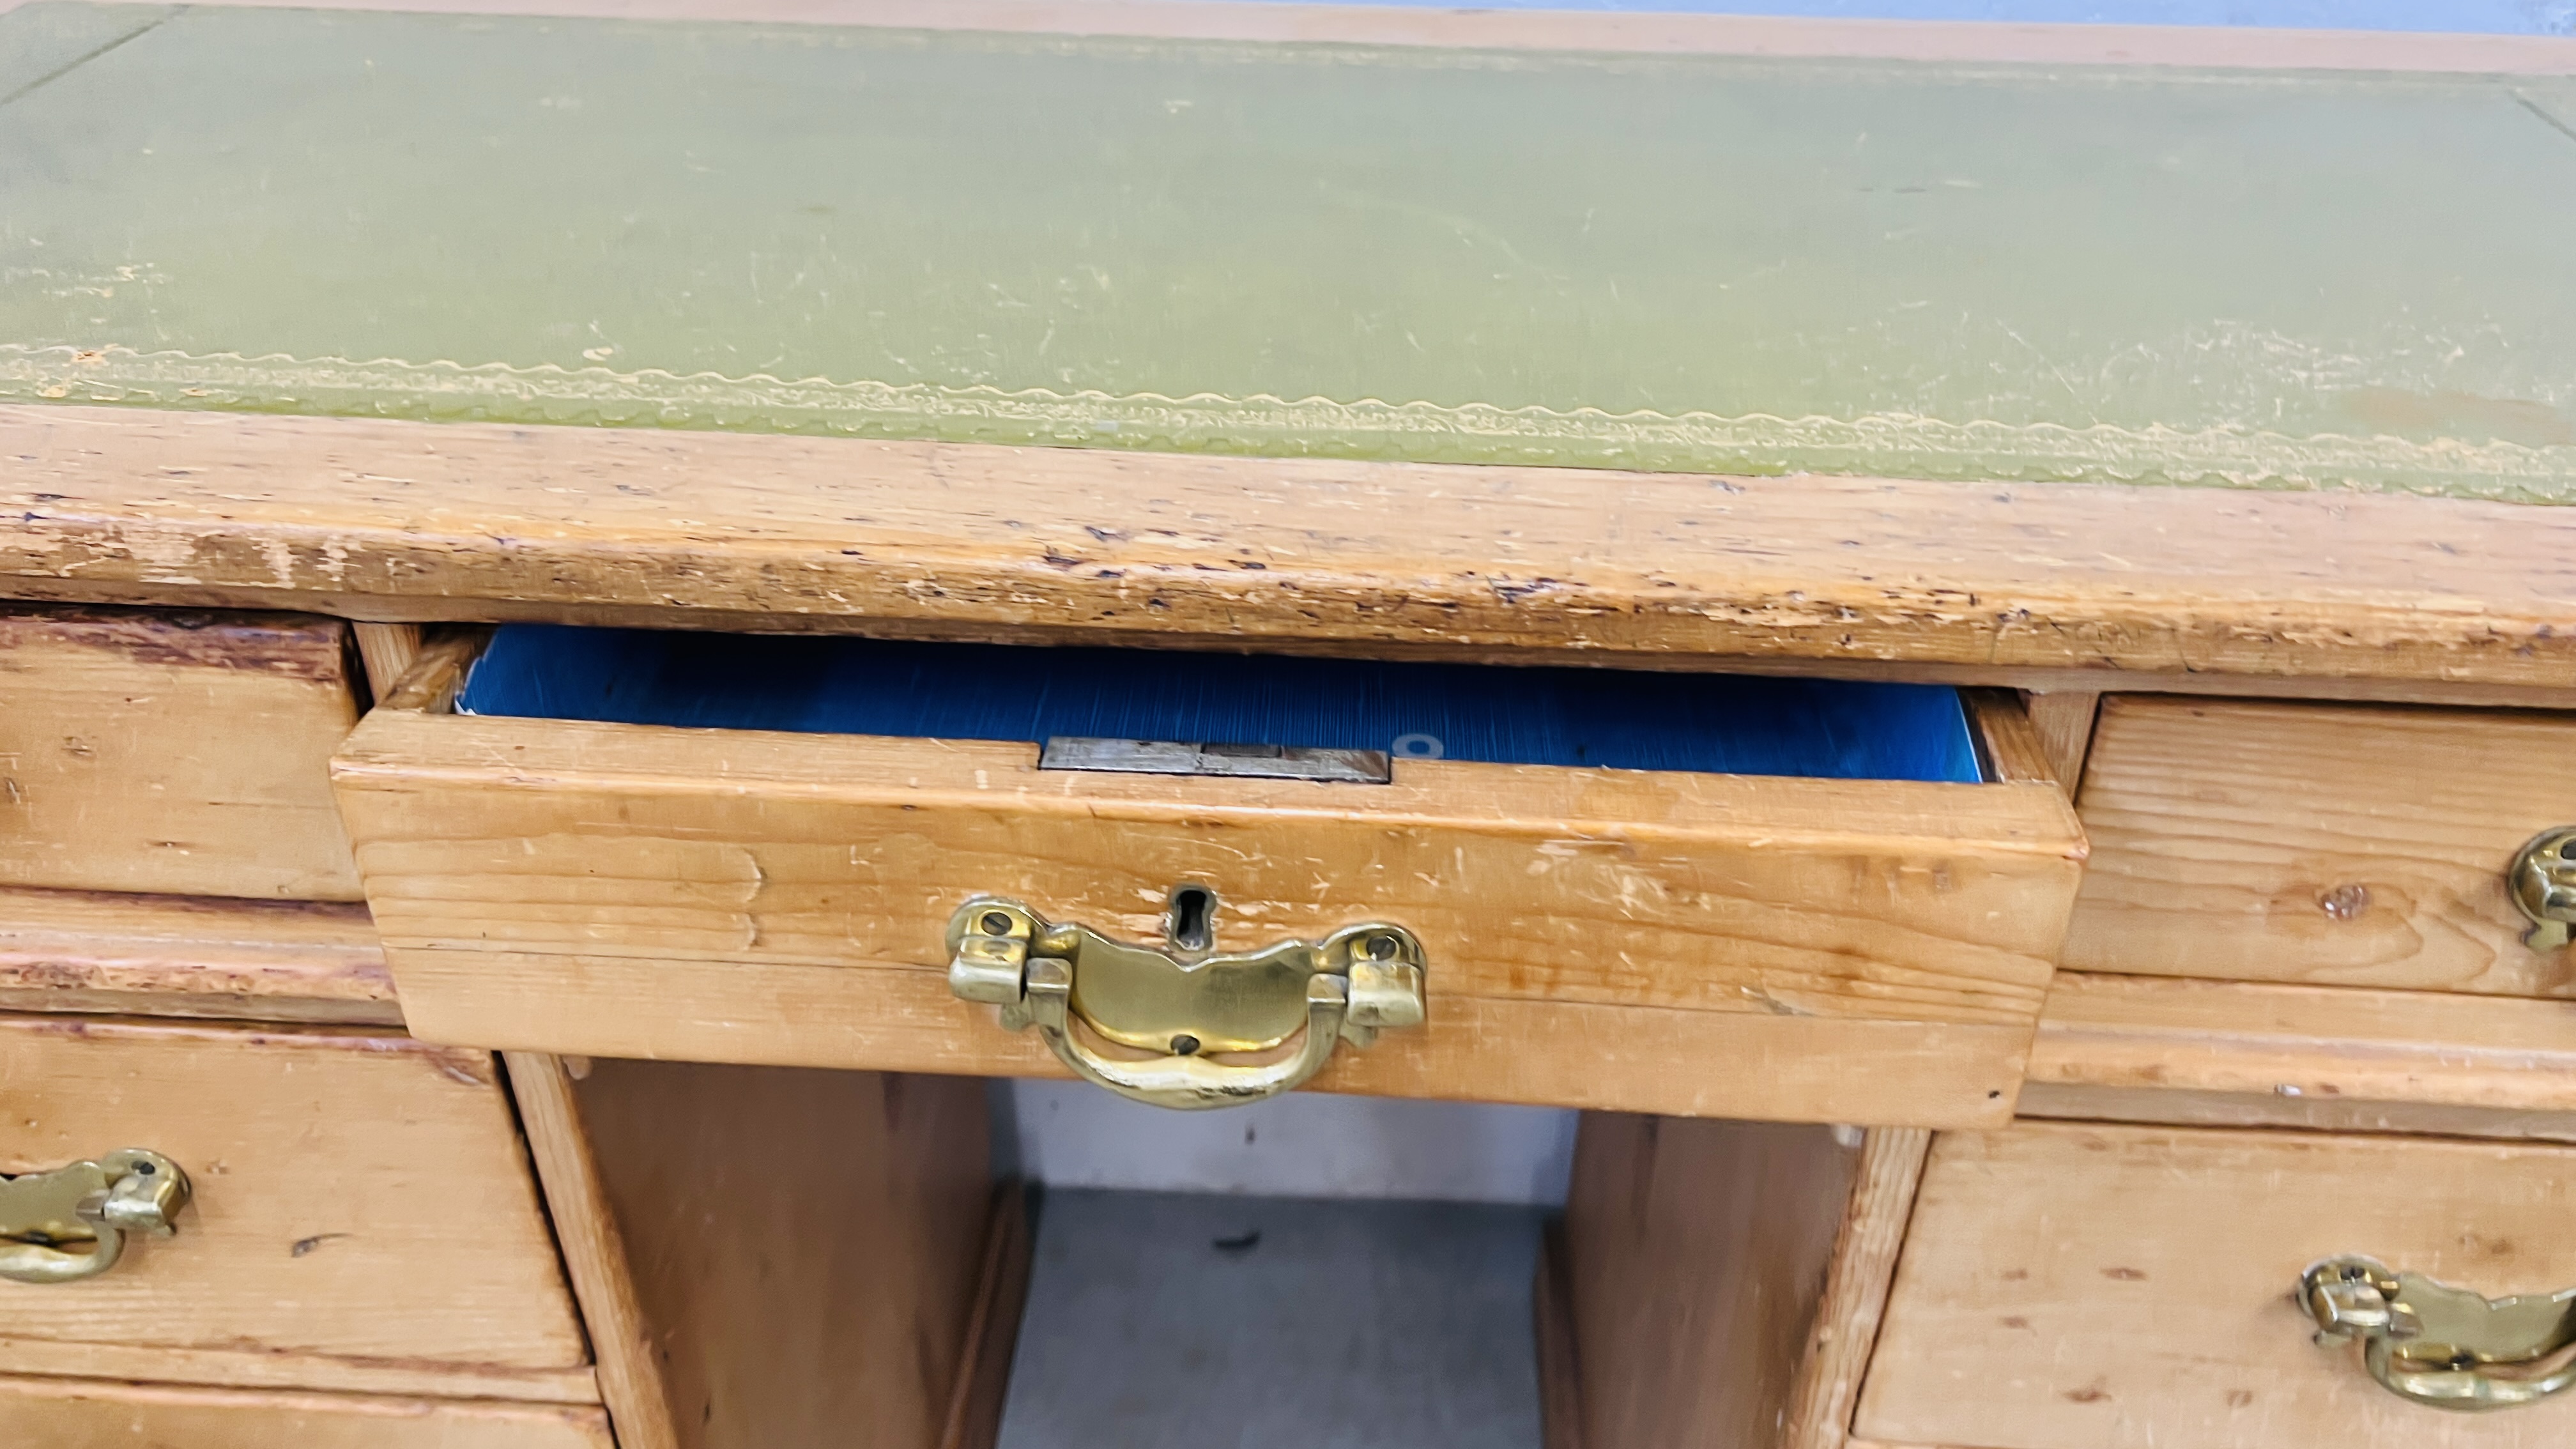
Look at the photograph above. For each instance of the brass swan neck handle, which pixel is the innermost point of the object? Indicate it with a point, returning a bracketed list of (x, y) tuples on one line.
[(1142, 1022), (70, 1223), (2440, 1345)]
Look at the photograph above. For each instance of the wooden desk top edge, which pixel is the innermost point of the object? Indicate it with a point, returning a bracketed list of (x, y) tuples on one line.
[(2090, 586)]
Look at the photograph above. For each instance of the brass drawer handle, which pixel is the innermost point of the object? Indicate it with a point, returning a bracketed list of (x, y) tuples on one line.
[(1342, 988), (71, 1222), (2542, 883), (2444, 1346)]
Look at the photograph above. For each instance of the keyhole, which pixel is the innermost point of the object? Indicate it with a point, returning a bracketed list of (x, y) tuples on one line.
[(1193, 917)]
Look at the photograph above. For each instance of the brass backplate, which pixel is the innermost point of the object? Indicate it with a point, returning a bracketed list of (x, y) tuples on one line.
[(2444, 1346), (71, 1222), (1140, 997), (1154, 1000)]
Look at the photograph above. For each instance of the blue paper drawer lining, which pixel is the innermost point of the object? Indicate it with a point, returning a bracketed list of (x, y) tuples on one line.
[(1614, 718)]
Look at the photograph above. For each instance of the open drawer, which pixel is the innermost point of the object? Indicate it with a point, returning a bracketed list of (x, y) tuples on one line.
[(1678, 893)]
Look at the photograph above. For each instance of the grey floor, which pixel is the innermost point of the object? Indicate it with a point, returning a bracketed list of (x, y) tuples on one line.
[(1188, 1321)]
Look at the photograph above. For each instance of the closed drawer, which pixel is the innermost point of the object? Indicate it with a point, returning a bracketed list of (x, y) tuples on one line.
[(362, 1217), (178, 752), (1673, 939), (2328, 844), (70, 1414), (193, 956), (2070, 1287)]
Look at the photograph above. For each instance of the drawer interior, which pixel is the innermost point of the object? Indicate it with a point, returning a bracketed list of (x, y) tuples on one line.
[(1620, 719)]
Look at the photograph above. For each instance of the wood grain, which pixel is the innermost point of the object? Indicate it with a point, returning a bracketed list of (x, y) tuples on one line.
[(2225, 1053), (2183, 1107), (2120, 1288), (2023, 585), (1856, 1289), (2011, 749), (254, 1367), (2308, 1043), (337, 1172), (71, 1414), (147, 955), (1648, 31), (387, 650), (1698, 1254), (595, 1255), (1620, 1058), (180, 752), (522, 873), (2319, 844), (437, 669), (1868, 899), (983, 1377), (2064, 722), (805, 1245), (513, 864)]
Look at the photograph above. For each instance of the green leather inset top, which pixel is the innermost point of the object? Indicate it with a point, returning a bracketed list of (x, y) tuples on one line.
[(1669, 262)]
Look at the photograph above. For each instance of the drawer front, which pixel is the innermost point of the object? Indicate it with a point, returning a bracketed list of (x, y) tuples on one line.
[(69, 1414), (1837, 950), (2068, 1287), (361, 1202), (2327, 844), (185, 753), (199, 956)]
